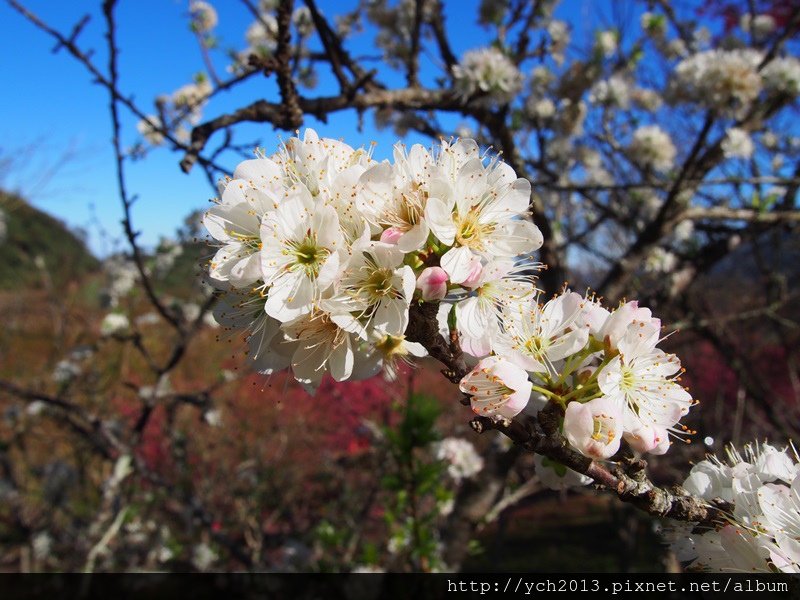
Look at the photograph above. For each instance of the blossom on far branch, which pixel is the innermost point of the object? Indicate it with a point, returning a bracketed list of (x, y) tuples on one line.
[(489, 72), (204, 16), (652, 147)]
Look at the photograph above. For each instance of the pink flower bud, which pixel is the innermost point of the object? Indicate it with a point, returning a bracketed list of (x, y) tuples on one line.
[(474, 276), (498, 388), (648, 438), (594, 428), (391, 235), (432, 282)]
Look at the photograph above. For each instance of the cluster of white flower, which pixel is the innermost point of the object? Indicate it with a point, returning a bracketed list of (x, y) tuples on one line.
[(653, 24), (181, 109), (764, 527), (541, 108), (782, 75), (760, 25), (323, 250), (122, 276), (166, 254), (649, 100), (606, 42), (65, 371), (559, 37), (603, 367), (463, 461), (114, 324), (613, 92), (203, 16), (652, 147), (727, 80), (487, 71), (737, 143), (660, 260)]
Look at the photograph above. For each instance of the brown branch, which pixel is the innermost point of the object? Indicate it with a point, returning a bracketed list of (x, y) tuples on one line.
[(723, 213), (413, 57), (437, 23), (292, 113), (127, 202), (627, 479)]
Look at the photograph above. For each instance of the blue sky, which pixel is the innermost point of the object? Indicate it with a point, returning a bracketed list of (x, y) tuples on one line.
[(50, 106)]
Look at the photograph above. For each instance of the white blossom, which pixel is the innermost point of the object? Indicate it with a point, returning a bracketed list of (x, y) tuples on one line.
[(642, 380), (262, 34), (65, 371), (760, 25), (594, 428), (614, 92), (763, 485), (647, 99), (651, 146), (324, 343), (203, 556), (496, 286), (535, 337), (783, 75), (379, 286), (480, 210), (653, 24), (606, 42), (497, 388), (114, 323), (737, 143), (204, 16), (487, 71), (660, 260), (726, 80), (463, 461), (543, 108), (150, 129)]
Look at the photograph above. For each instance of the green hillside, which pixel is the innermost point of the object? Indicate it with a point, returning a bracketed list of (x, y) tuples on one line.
[(29, 234)]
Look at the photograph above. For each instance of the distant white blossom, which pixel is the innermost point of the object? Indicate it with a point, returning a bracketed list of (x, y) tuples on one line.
[(204, 16), (651, 146), (65, 371), (543, 108), (783, 75), (462, 458), (647, 99), (727, 80), (114, 323), (203, 556), (606, 42), (149, 128), (653, 24), (487, 71), (737, 144), (760, 25), (614, 92), (660, 261), (262, 34)]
